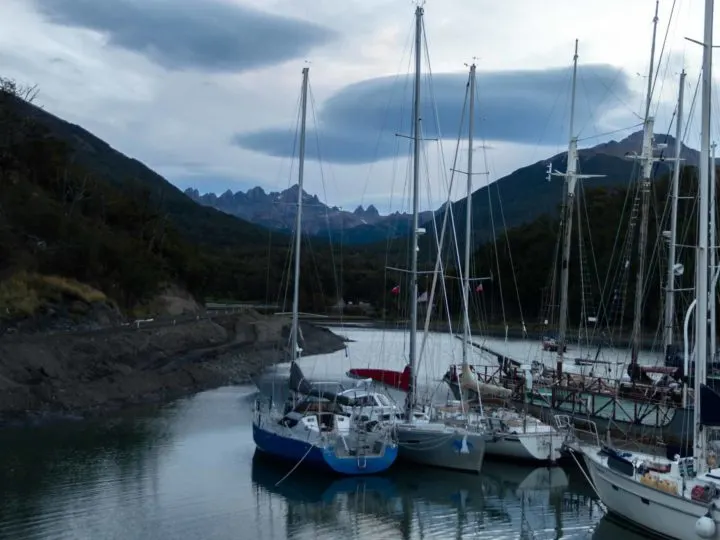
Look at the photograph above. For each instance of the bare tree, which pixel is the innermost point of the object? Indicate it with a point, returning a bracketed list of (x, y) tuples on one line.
[(10, 87)]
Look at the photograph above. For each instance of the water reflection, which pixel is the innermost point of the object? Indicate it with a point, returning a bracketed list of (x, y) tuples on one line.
[(612, 528), (507, 501), (59, 470), (188, 471)]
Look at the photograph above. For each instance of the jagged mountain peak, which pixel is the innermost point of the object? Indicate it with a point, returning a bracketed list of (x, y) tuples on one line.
[(277, 210)]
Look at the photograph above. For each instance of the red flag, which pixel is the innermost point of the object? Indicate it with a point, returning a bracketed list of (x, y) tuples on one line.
[(479, 288), (396, 289)]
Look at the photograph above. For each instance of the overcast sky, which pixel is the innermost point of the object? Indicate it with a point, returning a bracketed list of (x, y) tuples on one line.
[(206, 91)]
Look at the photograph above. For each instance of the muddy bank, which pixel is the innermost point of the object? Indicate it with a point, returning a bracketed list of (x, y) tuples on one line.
[(54, 376)]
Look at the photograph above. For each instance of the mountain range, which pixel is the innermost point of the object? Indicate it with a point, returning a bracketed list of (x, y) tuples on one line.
[(517, 198), (277, 210)]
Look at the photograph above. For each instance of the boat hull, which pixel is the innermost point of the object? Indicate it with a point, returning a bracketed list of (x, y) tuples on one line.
[(322, 457), (663, 514), (536, 447), (442, 448)]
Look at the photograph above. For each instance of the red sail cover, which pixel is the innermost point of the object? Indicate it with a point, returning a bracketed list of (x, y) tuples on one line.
[(394, 379)]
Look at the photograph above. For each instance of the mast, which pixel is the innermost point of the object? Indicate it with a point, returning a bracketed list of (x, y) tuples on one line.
[(468, 220), (570, 181), (713, 255), (415, 219), (298, 219), (647, 162), (701, 263), (670, 282)]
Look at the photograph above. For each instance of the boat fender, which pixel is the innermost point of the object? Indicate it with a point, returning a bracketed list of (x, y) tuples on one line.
[(705, 526), (465, 450)]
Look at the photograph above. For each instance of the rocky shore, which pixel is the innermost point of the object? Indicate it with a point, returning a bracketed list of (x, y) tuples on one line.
[(77, 375)]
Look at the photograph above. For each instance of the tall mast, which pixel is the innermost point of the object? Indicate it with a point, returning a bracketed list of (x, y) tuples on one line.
[(713, 254), (701, 262), (670, 281), (570, 181), (647, 162), (648, 98), (298, 219), (416, 212), (468, 220)]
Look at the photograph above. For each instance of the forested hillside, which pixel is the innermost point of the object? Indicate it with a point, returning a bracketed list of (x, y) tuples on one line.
[(106, 226)]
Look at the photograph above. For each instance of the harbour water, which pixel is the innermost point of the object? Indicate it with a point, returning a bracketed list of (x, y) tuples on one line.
[(188, 470)]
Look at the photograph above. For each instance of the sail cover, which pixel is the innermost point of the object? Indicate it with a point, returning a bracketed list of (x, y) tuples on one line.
[(301, 385), (469, 381), (393, 379)]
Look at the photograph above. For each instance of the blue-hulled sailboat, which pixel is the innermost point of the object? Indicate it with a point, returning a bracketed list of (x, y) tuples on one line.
[(323, 428)]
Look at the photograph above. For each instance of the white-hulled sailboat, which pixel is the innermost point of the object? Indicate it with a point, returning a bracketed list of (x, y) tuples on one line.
[(421, 439), (676, 498)]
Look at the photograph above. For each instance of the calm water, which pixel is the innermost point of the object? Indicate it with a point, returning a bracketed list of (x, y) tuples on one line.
[(188, 471)]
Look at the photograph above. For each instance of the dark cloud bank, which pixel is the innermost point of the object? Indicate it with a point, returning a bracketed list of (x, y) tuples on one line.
[(205, 35), (358, 123)]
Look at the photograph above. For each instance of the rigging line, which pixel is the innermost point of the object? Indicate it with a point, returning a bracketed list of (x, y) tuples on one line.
[(505, 230), (408, 42), (494, 239), (283, 292), (449, 211), (606, 133), (610, 281), (688, 126), (593, 121), (431, 88), (537, 146), (609, 89), (446, 214), (441, 150), (391, 241), (338, 285), (660, 57), (270, 244), (397, 146)]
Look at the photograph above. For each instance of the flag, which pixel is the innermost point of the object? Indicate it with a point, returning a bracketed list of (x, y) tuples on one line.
[(479, 288), (395, 289)]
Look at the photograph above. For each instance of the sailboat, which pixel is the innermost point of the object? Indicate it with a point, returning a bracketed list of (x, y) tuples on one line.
[(676, 498), (507, 433), (422, 440), (516, 435), (319, 428)]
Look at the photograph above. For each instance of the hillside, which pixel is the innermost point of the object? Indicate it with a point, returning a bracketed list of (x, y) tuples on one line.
[(81, 222), (193, 221), (525, 195)]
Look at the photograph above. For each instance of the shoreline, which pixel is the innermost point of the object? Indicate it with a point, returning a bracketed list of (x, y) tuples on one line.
[(648, 341), (71, 377)]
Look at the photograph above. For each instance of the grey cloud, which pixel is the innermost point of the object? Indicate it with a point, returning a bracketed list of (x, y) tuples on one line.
[(206, 35), (358, 123)]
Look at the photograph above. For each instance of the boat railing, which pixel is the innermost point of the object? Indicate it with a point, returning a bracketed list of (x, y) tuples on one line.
[(486, 374), (576, 429)]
